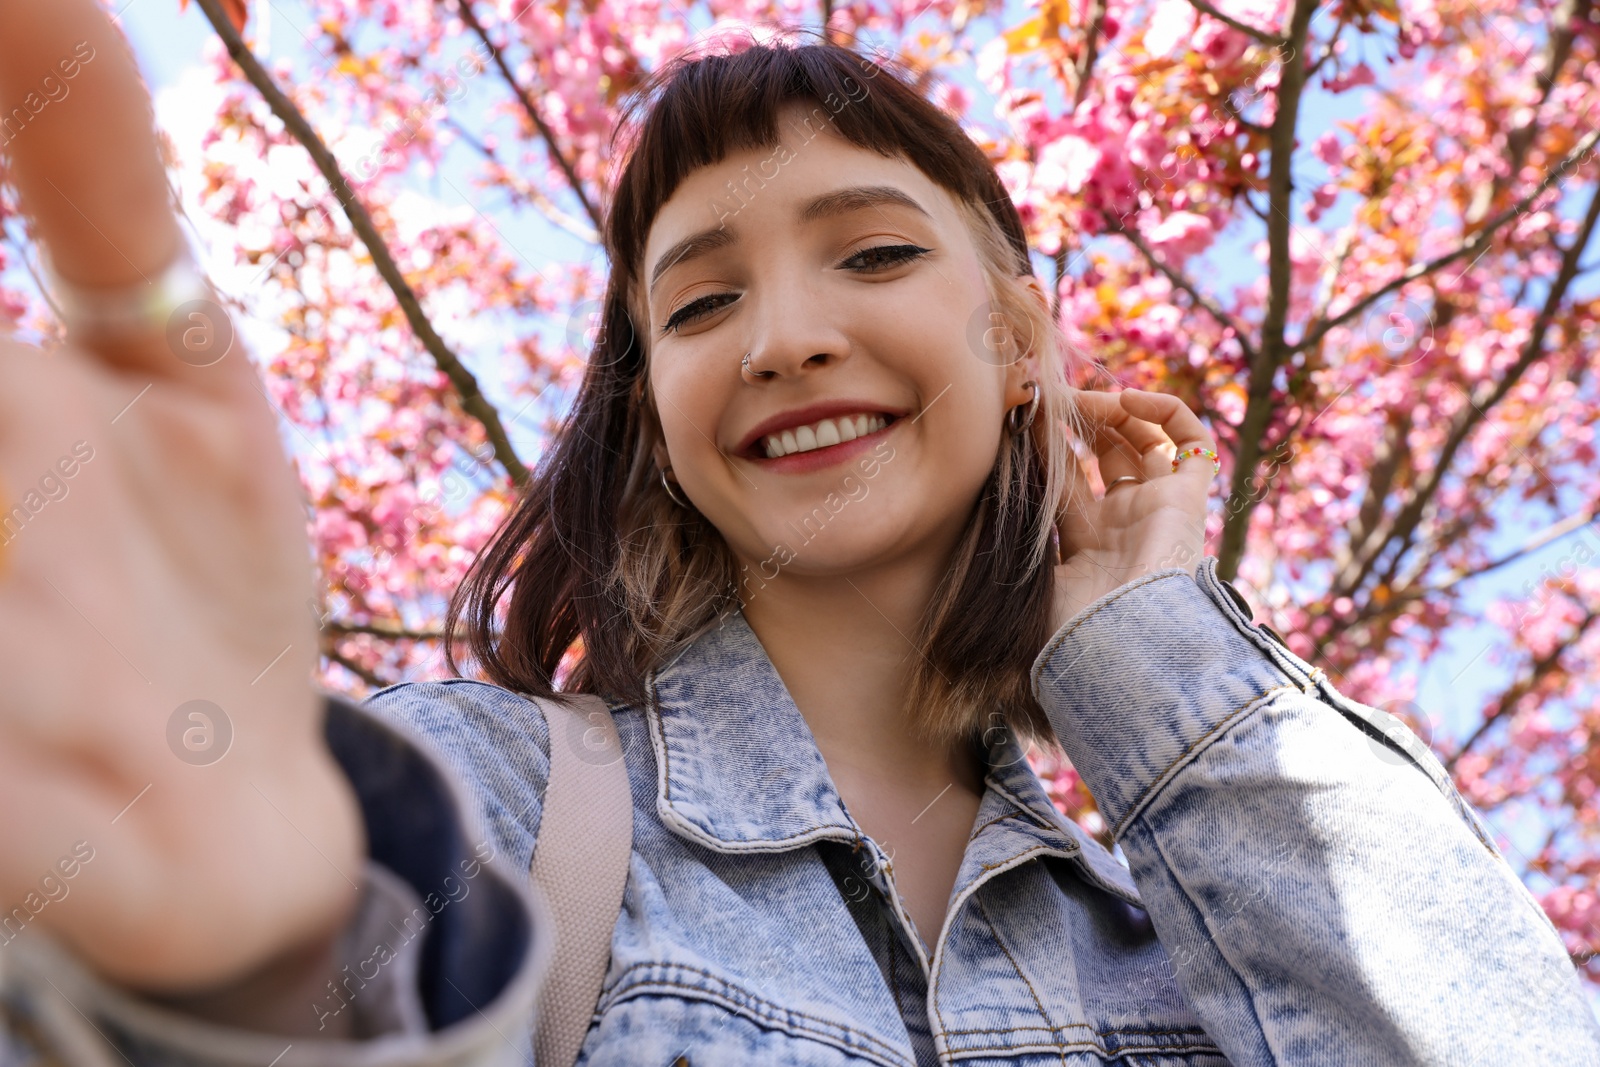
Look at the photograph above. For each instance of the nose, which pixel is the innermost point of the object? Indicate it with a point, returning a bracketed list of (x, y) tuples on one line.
[(792, 335)]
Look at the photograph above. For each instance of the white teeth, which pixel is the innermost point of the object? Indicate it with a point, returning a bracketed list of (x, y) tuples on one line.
[(822, 434)]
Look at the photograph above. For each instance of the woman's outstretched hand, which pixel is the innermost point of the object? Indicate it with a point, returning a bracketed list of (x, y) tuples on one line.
[(170, 809), (1140, 526)]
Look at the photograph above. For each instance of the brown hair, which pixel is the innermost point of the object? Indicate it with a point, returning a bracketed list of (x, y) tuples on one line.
[(608, 578)]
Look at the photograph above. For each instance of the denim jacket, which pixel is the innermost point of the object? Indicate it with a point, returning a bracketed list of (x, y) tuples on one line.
[(1303, 883)]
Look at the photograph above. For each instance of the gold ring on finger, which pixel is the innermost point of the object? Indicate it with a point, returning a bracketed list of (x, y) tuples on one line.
[(1118, 481)]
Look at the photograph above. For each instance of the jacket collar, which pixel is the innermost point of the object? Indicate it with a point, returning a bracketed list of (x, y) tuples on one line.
[(738, 769)]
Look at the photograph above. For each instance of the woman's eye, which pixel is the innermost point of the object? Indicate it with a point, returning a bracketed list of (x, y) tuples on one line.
[(693, 310), (870, 260), (882, 257)]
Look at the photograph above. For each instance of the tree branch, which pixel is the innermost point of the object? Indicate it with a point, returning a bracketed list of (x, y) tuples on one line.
[(464, 7), (354, 668), (1476, 411), (1327, 284), (1328, 50), (1273, 350), (827, 17), (1392, 464), (1090, 52), (33, 272), (1204, 302), (526, 189), (1568, 15), (1237, 115), (1475, 243), (388, 630), (472, 400), (1264, 36), (1553, 532), (1542, 668), (1391, 456)]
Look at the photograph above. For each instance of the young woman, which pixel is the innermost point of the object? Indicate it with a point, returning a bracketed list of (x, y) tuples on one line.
[(818, 528)]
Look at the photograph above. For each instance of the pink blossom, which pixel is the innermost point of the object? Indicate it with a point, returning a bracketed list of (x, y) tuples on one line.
[(1171, 24), (1180, 234), (1067, 164)]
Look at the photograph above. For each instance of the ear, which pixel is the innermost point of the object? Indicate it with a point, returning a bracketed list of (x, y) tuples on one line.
[(1025, 369), (1032, 283)]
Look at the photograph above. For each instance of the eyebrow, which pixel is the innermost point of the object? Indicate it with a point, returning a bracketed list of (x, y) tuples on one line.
[(828, 205)]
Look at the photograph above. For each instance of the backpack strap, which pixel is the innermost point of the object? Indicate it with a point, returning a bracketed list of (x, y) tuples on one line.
[(580, 863)]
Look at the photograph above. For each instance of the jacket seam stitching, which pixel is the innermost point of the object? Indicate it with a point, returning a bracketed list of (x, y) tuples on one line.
[(1277, 655), (658, 736), (991, 822), (893, 946), (767, 1020), (658, 741), (1164, 778), (1317, 685), (941, 958), (1193, 1031), (1093, 1046), (1032, 990), (1061, 638), (1249, 993), (1027, 812), (755, 1003)]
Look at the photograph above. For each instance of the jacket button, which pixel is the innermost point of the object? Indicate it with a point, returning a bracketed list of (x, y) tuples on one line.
[(1270, 632), (1249, 613), (1238, 598)]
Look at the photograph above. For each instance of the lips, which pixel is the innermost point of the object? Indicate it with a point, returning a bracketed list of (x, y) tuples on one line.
[(823, 433), (813, 427)]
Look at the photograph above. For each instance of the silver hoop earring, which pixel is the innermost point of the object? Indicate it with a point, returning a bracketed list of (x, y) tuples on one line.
[(1013, 423), (673, 493)]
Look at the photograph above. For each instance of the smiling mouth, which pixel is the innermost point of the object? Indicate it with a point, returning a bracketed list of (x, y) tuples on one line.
[(824, 433)]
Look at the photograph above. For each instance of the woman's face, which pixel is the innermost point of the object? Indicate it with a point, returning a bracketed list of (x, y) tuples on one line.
[(872, 413)]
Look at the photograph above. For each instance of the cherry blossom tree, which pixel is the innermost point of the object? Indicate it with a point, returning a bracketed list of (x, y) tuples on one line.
[(1355, 235)]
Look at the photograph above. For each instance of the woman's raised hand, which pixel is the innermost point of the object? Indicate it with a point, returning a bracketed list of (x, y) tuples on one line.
[(1139, 526), (168, 808)]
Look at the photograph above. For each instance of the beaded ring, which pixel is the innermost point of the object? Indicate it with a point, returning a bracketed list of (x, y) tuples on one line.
[(1216, 464)]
